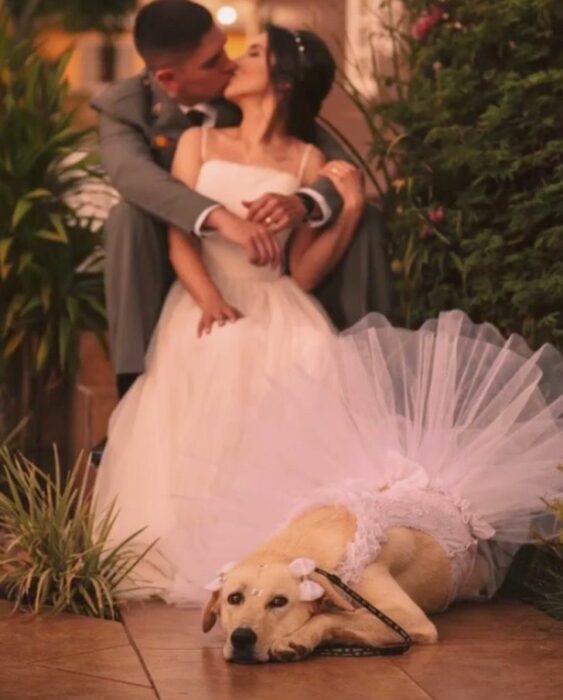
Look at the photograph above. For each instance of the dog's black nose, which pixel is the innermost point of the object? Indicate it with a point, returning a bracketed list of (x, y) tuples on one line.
[(243, 639)]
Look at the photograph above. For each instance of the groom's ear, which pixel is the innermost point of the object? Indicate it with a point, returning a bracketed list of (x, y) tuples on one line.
[(166, 78)]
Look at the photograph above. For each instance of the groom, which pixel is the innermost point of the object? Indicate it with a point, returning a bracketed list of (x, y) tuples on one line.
[(140, 121)]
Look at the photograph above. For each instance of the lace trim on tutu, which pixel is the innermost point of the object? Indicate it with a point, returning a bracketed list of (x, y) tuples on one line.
[(429, 509)]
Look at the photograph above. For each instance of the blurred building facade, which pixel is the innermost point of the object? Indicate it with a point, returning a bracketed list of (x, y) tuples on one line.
[(346, 25)]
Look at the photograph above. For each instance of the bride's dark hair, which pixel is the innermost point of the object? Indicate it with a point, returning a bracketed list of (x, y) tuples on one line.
[(302, 71)]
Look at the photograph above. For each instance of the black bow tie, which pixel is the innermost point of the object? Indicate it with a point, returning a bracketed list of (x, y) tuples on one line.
[(194, 118)]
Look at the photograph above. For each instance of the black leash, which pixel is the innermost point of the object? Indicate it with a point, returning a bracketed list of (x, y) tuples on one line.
[(356, 649)]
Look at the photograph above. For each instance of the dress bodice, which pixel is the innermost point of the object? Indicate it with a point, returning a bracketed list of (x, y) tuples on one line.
[(231, 184)]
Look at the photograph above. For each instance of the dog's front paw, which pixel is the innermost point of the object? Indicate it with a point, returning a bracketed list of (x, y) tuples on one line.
[(424, 634), (285, 650)]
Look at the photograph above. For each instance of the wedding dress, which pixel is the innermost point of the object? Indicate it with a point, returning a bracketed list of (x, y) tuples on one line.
[(196, 392)]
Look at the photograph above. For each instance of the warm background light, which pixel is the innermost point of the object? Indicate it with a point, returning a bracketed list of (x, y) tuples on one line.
[(227, 15)]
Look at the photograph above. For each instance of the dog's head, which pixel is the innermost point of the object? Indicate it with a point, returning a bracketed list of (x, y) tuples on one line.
[(260, 603)]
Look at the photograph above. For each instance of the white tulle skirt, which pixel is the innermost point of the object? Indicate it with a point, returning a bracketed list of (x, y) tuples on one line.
[(452, 407), (178, 429)]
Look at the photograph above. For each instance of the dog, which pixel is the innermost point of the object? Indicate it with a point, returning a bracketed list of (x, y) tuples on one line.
[(272, 606)]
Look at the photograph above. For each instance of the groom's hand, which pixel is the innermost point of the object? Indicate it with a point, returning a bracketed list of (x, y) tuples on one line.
[(278, 212), (260, 243)]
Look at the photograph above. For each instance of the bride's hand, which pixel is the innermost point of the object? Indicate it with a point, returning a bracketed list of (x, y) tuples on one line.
[(278, 212), (348, 181), (216, 310), (260, 244)]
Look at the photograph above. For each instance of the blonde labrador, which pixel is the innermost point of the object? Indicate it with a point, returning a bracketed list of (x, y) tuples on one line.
[(260, 603)]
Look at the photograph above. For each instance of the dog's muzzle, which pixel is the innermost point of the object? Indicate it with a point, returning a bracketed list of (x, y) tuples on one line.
[(243, 641)]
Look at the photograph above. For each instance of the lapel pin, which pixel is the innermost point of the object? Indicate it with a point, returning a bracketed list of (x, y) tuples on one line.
[(162, 141)]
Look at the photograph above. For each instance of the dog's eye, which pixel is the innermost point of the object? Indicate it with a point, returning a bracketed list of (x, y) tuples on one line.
[(235, 598), (278, 602)]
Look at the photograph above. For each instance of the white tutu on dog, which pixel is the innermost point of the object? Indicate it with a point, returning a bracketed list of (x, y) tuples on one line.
[(452, 408)]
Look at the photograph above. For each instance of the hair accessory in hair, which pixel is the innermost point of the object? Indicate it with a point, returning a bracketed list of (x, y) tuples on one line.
[(299, 42)]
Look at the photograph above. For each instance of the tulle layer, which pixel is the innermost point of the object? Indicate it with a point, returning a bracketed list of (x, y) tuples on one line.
[(193, 400), (453, 407)]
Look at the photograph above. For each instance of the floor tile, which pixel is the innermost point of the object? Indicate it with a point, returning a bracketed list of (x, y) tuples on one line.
[(5, 609), (37, 683), (205, 675), (155, 625), (26, 638), (496, 669), (116, 664), (497, 621)]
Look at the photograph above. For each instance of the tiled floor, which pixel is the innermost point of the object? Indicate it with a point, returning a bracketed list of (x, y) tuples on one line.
[(499, 651), (68, 657)]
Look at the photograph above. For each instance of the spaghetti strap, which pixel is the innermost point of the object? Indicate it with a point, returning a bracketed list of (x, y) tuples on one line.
[(203, 144), (304, 159)]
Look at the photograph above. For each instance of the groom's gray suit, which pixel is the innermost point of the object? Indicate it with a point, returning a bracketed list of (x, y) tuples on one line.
[(139, 129)]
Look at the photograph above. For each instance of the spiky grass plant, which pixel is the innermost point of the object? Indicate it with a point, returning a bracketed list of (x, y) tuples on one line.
[(9, 435), (55, 555), (552, 574), (537, 572)]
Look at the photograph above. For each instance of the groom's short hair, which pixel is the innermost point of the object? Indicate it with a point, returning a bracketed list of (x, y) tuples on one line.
[(167, 29)]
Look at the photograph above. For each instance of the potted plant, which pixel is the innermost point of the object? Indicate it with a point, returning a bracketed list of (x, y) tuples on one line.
[(48, 294)]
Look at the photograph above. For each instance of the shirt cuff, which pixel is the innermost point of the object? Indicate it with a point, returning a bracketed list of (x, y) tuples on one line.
[(320, 201), (199, 229)]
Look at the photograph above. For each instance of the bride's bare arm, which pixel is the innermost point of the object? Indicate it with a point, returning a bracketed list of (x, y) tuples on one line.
[(184, 251), (313, 256)]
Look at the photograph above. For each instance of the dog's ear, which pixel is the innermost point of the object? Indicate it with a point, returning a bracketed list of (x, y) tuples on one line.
[(331, 596), (210, 612)]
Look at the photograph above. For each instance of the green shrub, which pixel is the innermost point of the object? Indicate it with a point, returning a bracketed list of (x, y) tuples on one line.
[(54, 555), (474, 138), (77, 15)]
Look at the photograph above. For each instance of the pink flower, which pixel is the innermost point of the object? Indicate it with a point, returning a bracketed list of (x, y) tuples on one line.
[(426, 22), (421, 28), (436, 215), (436, 15), (425, 232)]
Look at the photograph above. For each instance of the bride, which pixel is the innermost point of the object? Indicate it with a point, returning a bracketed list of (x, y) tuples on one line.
[(228, 325)]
